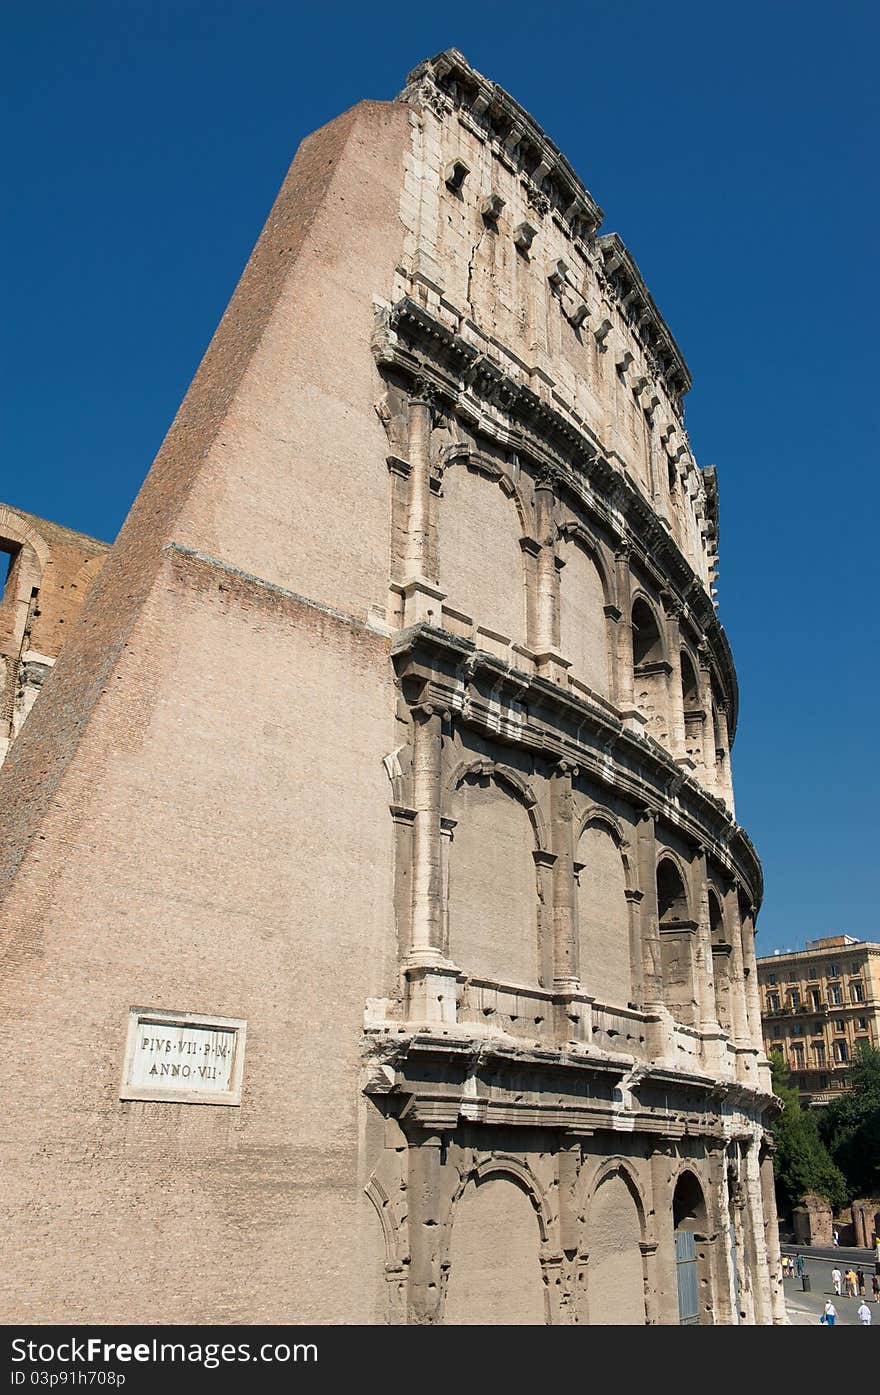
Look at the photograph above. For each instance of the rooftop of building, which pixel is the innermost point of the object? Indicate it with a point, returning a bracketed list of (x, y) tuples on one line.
[(819, 948)]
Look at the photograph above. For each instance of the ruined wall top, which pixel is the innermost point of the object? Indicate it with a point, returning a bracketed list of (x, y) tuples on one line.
[(448, 83)]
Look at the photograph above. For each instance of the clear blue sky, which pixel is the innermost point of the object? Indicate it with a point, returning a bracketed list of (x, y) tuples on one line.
[(732, 146)]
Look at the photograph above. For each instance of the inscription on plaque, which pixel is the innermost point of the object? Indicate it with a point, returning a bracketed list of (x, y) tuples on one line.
[(183, 1058)]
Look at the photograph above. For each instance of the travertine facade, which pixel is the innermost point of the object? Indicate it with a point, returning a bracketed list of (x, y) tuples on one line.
[(46, 573), (397, 728)]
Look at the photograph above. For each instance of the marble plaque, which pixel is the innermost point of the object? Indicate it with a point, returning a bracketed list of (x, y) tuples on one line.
[(183, 1057)]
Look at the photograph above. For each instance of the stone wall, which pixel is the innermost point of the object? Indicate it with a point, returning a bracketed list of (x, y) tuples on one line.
[(47, 573), (376, 737)]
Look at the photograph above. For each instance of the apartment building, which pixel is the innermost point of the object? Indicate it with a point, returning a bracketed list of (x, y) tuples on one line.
[(818, 1005)]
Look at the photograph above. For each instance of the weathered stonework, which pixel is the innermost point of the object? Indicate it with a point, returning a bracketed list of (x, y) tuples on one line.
[(402, 700), (47, 573)]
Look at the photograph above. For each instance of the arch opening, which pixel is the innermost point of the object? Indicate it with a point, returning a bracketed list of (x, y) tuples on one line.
[(690, 1222), (494, 1257), (721, 956), (584, 636), (493, 890), (677, 953), (616, 1269), (650, 670), (604, 948)]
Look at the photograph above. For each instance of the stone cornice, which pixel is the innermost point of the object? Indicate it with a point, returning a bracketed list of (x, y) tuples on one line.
[(620, 263), (554, 723), (410, 339), (572, 1088)]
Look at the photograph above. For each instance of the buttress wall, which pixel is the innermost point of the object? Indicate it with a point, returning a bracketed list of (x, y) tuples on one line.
[(195, 816)]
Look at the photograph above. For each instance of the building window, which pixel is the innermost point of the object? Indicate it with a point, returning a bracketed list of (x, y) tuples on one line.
[(7, 557), (861, 1024), (856, 992), (771, 978), (823, 1082), (836, 993), (772, 1002), (797, 1048), (833, 970), (797, 1029), (840, 1026), (795, 998), (815, 998), (819, 1052), (841, 1051)]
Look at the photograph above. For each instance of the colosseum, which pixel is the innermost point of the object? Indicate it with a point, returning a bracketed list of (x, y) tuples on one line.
[(379, 938)]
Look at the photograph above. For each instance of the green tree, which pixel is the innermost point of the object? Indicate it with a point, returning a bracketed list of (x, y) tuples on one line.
[(850, 1126), (802, 1163)]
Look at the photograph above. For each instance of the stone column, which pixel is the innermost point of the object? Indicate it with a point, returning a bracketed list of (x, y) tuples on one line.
[(431, 980), (704, 966), (652, 963), (723, 1298), (634, 899), (425, 1230), (753, 998), (738, 1017), (418, 543), (674, 695), (546, 637), (704, 680), (754, 1218), (625, 694), (426, 945), (650, 1280), (658, 1021), (725, 777), (664, 1267), (447, 831), (422, 598), (771, 1239), (565, 946)]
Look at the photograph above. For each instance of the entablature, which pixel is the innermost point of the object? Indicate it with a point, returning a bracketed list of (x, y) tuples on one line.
[(437, 1081)]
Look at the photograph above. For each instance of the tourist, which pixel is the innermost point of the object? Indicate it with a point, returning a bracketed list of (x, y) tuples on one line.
[(836, 1237), (875, 1287), (829, 1314), (799, 1263), (836, 1278), (860, 1279), (851, 1283), (864, 1314)]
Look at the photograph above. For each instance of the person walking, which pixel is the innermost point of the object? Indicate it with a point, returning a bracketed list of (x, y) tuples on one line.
[(829, 1314), (875, 1287), (860, 1279), (864, 1314), (836, 1237), (851, 1283), (799, 1264), (836, 1279)]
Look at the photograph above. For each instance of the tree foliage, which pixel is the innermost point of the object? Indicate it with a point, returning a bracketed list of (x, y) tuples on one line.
[(802, 1162), (850, 1126)]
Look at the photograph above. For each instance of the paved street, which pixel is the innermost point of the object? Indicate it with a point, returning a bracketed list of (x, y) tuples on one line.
[(805, 1308)]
